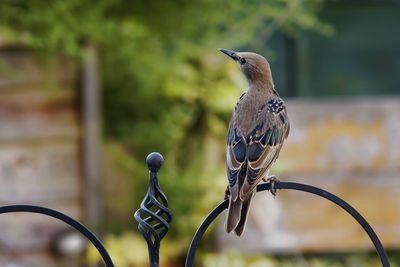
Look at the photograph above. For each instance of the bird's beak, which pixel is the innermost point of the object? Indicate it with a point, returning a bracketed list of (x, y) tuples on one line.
[(230, 53)]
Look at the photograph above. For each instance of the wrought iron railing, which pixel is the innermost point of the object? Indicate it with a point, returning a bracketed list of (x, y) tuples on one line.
[(154, 224), (154, 216)]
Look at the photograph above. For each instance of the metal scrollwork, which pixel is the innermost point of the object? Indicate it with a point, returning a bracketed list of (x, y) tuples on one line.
[(153, 215)]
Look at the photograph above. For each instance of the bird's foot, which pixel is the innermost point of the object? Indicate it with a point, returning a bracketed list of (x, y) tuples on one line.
[(272, 180), (227, 193)]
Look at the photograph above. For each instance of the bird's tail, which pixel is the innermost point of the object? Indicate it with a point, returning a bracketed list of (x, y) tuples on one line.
[(237, 215), (234, 212), (243, 217)]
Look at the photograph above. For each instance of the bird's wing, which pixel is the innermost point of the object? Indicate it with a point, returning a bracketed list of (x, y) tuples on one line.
[(235, 158), (264, 143)]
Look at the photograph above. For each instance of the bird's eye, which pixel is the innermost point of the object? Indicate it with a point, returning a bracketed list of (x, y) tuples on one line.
[(242, 60)]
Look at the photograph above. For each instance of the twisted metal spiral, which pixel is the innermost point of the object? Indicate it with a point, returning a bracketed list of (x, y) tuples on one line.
[(153, 215)]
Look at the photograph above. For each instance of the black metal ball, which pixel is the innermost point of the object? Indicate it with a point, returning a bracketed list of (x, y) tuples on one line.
[(154, 161)]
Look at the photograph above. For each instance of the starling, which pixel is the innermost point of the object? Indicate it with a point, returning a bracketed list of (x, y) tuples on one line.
[(257, 129)]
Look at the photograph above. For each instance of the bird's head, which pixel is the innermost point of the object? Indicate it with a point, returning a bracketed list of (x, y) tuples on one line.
[(254, 66)]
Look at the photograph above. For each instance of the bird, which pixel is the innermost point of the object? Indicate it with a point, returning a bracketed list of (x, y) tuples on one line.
[(257, 129)]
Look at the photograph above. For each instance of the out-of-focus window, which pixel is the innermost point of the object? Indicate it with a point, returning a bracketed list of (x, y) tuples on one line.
[(361, 58)]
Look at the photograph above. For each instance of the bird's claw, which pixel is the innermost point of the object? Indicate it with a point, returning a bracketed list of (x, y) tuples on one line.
[(272, 180), (227, 193)]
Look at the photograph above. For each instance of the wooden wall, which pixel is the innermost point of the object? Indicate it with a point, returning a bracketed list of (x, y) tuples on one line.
[(40, 152)]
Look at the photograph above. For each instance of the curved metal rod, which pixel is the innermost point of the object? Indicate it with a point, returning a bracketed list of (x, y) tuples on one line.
[(65, 218), (295, 186), (200, 232)]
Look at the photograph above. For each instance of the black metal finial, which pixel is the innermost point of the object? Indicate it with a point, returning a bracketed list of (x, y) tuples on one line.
[(153, 215), (154, 161)]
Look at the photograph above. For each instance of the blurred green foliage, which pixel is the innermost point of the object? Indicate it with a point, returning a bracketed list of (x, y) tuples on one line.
[(120, 249), (319, 260), (165, 86)]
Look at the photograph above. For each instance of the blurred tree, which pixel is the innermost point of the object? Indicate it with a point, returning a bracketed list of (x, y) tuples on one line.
[(162, 89)]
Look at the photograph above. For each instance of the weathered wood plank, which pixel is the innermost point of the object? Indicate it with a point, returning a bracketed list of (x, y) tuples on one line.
[(41, 173), (38, 114), (19, 66)]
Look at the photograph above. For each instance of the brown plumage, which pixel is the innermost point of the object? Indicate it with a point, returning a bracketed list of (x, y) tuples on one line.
[(257, 129)]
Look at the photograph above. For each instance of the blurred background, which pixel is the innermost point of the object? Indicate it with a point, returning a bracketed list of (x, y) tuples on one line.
[(89, 88)]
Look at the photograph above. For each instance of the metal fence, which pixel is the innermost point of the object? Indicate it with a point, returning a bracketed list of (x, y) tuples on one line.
[(154, 216)]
